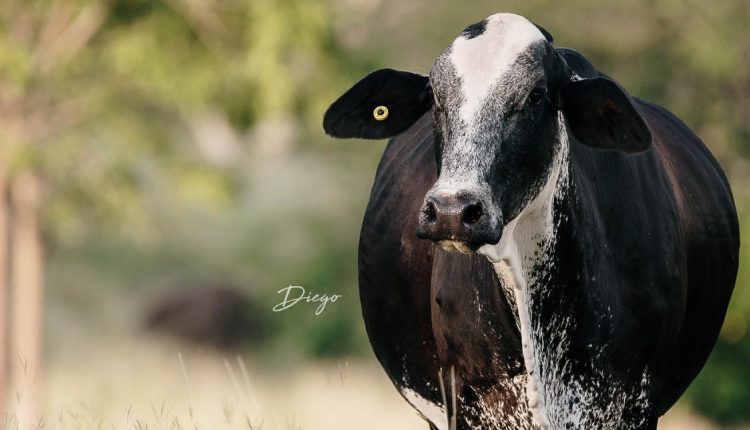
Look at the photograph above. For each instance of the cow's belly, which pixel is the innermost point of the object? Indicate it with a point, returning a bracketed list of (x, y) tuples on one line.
[(477, 338), (503, 407)]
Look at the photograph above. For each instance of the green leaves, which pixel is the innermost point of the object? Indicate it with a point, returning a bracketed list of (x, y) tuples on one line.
[(90, 89)]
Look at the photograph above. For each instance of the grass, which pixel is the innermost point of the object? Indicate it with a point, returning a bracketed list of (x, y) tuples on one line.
[(145, 385)]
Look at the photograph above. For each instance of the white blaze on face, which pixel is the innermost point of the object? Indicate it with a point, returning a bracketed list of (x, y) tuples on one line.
[(482, 60)]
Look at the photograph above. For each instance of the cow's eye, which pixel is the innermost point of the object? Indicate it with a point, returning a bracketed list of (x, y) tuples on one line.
[(536, 95)]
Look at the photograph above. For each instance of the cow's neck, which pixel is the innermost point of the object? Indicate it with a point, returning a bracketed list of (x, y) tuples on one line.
[(525, 262), (527, 242)]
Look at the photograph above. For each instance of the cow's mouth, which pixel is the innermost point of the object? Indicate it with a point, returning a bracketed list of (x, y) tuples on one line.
[(456, 246)]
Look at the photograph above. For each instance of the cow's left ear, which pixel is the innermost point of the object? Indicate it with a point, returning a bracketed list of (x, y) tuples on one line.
[(601, 115), (383, 104)]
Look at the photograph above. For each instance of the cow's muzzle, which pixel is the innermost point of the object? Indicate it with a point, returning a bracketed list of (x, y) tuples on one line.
[(458, 220)]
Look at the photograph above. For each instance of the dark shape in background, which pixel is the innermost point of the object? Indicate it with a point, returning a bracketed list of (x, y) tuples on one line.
[(214, 315)]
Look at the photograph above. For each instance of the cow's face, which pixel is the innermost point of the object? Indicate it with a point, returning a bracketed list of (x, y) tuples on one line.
[(502, 99), (496, 128)]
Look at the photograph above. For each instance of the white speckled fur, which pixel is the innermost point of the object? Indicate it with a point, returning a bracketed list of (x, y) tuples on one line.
[(432, 412), (515, 255)]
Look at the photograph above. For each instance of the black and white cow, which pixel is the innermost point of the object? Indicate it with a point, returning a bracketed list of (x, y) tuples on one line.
[(597, 238)]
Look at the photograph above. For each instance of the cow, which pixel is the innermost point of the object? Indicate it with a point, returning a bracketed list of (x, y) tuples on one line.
[(541, 250)]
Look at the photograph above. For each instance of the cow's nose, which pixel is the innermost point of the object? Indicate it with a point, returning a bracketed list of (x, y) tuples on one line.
[(458, 216)]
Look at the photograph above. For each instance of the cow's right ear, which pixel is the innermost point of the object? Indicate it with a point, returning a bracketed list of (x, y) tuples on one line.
[(383, 104), (602, 115)]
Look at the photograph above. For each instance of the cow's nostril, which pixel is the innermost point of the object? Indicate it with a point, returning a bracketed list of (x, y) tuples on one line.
[(429, 212), (472, 213)]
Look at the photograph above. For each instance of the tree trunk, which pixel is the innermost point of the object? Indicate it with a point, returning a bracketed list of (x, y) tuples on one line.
[(4, 278), (27, 293)]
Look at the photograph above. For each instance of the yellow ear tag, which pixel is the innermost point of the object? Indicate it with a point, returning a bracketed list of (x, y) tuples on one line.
[(380, 113)]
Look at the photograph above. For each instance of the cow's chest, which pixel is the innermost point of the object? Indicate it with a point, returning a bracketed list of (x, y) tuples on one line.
[(568, 381)]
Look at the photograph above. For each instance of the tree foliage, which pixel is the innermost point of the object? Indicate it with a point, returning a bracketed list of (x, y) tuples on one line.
[(106, 93)]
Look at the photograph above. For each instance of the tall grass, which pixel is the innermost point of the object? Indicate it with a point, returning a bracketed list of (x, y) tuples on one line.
[(145, 385)]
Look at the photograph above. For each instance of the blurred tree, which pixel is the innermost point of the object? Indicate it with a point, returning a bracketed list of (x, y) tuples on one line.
[(36, 51), (96, 99), (4, 290)]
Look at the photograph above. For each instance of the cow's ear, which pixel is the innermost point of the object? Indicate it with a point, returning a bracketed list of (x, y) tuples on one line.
[(383, 104), (602, 115), (544, 32)]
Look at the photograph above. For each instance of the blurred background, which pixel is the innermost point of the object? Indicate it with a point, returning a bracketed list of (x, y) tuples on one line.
[(163, 174)]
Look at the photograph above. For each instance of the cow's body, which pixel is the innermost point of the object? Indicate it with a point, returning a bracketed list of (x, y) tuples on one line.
[(646, 272), (598, 238)]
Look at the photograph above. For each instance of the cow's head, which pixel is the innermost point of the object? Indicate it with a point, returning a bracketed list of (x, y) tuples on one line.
[(502, 100)]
